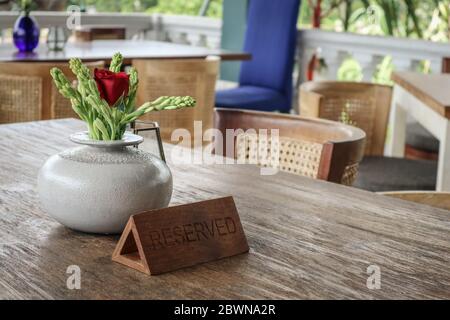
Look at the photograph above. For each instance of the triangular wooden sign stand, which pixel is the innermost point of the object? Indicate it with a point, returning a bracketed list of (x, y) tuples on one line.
[(129, 249), (171, 238)]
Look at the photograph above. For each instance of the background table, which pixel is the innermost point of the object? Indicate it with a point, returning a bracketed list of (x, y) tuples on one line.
[(130, 49), (308, 238), (426, 98)]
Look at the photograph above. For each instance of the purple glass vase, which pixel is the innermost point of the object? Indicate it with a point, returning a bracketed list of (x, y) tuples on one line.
[(26, 33)]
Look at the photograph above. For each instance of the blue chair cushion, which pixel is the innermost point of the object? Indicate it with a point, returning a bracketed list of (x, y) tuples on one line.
[(271, 39), (266, 80), (252, 98)]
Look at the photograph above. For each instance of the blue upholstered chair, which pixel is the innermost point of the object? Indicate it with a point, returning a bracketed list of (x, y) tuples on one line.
[(265, 82)]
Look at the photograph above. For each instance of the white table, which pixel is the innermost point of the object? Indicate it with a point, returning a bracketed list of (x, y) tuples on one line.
[(130, 49), (426, 98)]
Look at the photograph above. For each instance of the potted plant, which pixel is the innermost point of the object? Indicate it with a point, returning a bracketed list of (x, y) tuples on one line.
[(97, 186)]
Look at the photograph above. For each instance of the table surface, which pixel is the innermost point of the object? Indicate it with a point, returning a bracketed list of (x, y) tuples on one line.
[(431, 89), (130, 49), (308, 238)]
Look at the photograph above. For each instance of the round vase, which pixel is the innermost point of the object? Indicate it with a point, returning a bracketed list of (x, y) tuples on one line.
[(26, 33), (96, 187)]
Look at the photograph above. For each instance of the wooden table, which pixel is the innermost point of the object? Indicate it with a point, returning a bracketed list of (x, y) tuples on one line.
[(130, 49), (309, 239), (426, 98)]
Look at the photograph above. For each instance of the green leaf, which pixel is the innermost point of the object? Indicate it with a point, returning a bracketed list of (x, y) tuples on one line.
[(116, 62), (101, 127)]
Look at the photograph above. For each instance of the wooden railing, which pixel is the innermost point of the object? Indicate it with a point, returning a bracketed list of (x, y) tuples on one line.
[(135, 23), (198, 31), (368, 51)]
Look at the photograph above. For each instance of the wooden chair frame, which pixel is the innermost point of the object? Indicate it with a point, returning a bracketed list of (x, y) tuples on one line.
[(343, 145)]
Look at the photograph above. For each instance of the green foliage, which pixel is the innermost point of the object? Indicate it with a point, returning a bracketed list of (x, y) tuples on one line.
[(115, 5), (383, 73), (427, 19), (25, 6), (109, 122), (345, 116), (184, 7), (350, 70), (191, 7)]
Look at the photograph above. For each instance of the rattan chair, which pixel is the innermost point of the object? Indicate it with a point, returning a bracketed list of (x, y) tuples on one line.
[(318, 149), (20, 98), (434, 199), (27, 92), (367, 106), (196, 78)]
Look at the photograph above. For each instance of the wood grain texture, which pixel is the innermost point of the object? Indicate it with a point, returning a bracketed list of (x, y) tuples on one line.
[(308, 238), (431, 89), (430, 198), (168, 239), (130, 49)]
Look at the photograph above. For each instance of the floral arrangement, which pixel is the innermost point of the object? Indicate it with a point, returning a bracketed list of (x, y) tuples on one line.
[(107, 100)]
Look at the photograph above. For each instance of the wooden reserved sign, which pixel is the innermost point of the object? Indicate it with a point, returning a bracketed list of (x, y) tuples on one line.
[(167, 239)]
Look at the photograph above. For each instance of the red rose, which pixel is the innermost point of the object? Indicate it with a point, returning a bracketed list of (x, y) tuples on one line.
[(112, 85)]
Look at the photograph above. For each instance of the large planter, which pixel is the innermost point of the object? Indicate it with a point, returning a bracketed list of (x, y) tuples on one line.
[(96, 187), (26, 33)]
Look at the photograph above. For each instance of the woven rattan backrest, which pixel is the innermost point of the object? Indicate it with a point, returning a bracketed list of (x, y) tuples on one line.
[(52, 104), (196, 78), (366, 104), (20, 98), (314, 148), (293, 156)]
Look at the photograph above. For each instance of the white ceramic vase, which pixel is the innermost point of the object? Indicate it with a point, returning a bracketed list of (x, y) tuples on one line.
[(96, 187)]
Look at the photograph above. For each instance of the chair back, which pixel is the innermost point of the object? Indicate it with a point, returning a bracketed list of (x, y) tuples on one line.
[(366, 104), (271, 39), (20, 98), (315, 148), (48, 104), (431, 198), (184, 77)]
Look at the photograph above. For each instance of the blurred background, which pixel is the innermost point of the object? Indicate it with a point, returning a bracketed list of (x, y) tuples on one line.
[(425, 19)]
